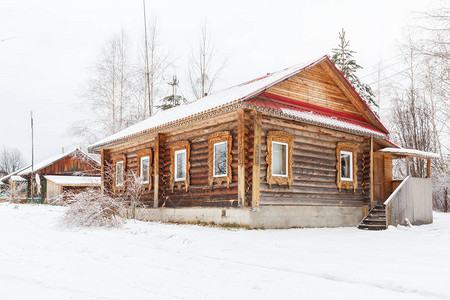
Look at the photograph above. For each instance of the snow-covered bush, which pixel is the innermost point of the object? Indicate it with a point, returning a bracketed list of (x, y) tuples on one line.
[(441, 192), (91, 208)]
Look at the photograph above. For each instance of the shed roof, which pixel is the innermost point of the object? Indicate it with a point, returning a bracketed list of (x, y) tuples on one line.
[(17, 178), (224, 98), (74, 180), (4, 178), (49, 161)]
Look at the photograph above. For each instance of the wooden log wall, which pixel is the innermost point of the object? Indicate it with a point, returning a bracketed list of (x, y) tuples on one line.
[(314, 167), (199, 192), (366, 171), (130, 150)]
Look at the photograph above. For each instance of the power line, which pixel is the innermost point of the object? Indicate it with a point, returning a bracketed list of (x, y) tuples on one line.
[(4, 40), (382, 60), (394, 64), (389, 76)]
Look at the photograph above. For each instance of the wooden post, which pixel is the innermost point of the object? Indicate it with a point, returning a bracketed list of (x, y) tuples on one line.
[(241, 158), (256, 169), (428, 168), (408, 172), (102, 169), (159, 141), (371, 172)]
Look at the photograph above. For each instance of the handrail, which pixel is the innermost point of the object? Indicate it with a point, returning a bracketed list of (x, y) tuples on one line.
[(396, 191)]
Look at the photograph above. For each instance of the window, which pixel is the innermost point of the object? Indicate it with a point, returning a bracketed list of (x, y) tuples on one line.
[(119, 173), (219, 159), (145, 169), (346, 166), (346, 154), (279, 158), (180, 165)]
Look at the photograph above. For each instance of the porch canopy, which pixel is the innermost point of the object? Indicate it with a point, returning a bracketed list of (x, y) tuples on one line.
[(408, 153)]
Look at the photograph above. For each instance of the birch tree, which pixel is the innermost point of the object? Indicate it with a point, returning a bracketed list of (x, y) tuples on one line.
[(108, 92)]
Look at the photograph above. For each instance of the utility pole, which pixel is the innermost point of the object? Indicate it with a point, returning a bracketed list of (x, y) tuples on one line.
[(147, 73), (32, 157)]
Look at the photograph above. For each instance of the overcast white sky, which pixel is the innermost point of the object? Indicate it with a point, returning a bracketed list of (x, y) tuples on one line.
[(44, 66)]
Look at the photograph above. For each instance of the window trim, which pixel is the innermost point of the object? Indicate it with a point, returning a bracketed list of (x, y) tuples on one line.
[(346, 182), (175, 147), (287, 159), (215, 138), (147, 157), (214, 160), (280, 137), (176, 165)]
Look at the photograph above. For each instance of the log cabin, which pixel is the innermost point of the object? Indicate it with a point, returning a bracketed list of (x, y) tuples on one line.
[(293, 148)]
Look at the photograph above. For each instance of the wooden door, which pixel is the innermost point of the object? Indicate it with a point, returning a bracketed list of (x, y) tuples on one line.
[(378, 177)]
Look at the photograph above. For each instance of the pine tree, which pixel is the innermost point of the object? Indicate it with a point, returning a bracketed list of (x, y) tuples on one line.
[(174, 99), (343, 59)]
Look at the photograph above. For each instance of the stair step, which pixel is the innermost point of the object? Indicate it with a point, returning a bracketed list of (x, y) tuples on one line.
[(372, 215), (374, 220), (372, 227)]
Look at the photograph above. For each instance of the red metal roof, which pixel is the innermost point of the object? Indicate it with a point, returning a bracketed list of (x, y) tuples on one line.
[(332, 117)]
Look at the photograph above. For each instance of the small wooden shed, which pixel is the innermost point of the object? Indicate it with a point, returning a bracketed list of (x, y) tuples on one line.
[(73, 163), (58, 184)]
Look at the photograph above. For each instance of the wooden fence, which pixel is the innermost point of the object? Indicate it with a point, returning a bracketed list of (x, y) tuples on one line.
[(412, 200)]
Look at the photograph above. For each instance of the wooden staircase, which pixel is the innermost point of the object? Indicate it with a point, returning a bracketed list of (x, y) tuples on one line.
[(375, 219)]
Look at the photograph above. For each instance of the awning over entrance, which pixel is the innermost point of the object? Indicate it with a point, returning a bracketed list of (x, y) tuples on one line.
[(410, 153)]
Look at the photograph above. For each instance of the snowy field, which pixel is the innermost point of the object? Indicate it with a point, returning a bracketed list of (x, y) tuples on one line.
[(41, 259)]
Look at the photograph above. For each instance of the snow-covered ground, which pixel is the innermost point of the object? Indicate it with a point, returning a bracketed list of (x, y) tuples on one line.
[(41, 259)]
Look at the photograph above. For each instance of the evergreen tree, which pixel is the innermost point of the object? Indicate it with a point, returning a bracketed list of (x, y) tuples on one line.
[(174, 99), (343, 58)]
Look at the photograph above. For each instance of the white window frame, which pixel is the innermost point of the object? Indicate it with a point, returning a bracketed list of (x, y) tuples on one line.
[(287, 159), (214, 159), (351, 165), (117, 183), (176, 165), (142, 165)]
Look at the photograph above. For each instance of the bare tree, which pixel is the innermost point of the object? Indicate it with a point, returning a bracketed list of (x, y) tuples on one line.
[(202, 71), (11, 160), (107, 94), (411, 114)]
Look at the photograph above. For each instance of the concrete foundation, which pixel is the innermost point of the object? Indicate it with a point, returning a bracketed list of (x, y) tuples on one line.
[(266, 217)]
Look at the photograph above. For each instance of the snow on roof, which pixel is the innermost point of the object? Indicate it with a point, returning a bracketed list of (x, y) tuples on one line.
[(410, 152), (48, 161), (17, 178), (74, 180), (227, 96), (318, 118), (4, 178)]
